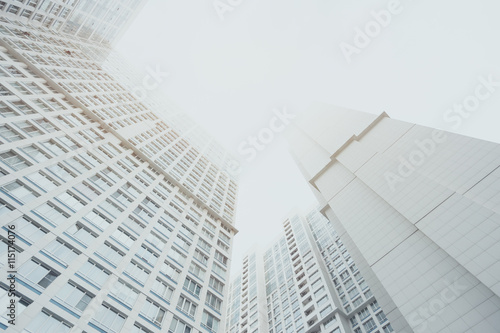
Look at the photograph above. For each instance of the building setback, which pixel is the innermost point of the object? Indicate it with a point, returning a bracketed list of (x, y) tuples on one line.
[(306, 281), (122, 224), (417, 208)]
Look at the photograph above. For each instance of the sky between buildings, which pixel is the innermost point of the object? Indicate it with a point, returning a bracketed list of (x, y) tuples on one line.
[(432, 63)]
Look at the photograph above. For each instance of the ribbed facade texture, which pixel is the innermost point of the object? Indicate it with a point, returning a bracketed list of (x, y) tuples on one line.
[(306, 281), (417, 208), (123, 223)]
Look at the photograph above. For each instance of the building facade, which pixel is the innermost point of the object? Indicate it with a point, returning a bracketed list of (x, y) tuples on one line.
[(122, 223), (102, 22), (418, 210), (306, 281)]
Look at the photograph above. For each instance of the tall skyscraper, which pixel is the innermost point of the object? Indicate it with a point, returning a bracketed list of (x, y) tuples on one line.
[(122, 221), (417, 208), (306, 281), (97, 21)]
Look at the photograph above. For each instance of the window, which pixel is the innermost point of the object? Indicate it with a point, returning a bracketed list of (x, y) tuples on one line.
[(213, 301), (46, 322), (81, 234), (71, 201), (61, 251), (123, 238), (9, 134), (98, 219), (204, 245), (51, 213), (36, 153), (187, 306), (177, 326), (153, 312), (216, 284), (94, 273), (74, 296), (13, 160), (381, 317), (110, 253), (156, 241), (29, 230), (109, 319), (221, 258), (182, 243), (177, 256), (162, 289), (374, 305), (196, 270), (38, 274), (369, 325), (43, 181), (364, 313), (388, 329), (170, 271), (137, 272), (200, 257), (147, 255), (191, 286), (125, 293), (219, 270), (210, 322)]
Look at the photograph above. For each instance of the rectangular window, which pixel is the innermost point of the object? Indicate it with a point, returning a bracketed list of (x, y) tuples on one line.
[(14, 160), (123, 238), (94, 273), (125, 293), (51, 213), (170, 271), (147, 255), (110, 253), (61, 251), (162, 289), (19, 191), (137, 272), (46, 322), (187, 306), (29, 230), (153, 312), (191, 286), (37, 274), (216, 284), (213, 301), (177, 326), (74, 296), (197, 270), (109, 319), (210, 322)]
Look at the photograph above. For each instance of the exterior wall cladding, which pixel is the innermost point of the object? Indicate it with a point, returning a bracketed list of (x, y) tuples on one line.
[(417, 208), (306, 281), (122, 224)]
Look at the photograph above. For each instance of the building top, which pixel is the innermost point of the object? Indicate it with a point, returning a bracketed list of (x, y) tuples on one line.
[(313, 143)]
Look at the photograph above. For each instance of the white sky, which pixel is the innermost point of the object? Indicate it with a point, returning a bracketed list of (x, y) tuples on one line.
[(229, 75)]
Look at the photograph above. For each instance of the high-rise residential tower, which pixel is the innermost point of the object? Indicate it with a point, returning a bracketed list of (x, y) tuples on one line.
[(101, 22), (306, 281), (123, 222), (417, 208)]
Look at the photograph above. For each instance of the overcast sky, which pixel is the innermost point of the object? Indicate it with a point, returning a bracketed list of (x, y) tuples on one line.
[(419, 60)]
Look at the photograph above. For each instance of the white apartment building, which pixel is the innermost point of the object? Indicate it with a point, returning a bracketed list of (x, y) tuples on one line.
[(122, 223), (417, 208), (97, 21), (306, 281)]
